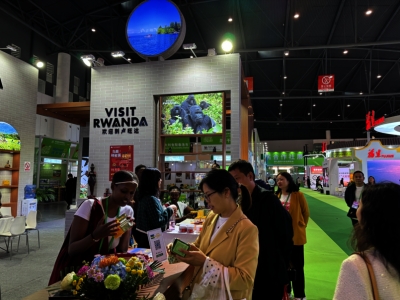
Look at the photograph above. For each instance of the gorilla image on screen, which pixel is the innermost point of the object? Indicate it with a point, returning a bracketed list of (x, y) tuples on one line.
[(204, 105), (198, 120), (190, 101), (176, 112)]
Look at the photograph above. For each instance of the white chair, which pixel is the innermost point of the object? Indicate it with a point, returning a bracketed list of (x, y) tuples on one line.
[(31, 224), (17, 229), (5, 211), (5, 225)]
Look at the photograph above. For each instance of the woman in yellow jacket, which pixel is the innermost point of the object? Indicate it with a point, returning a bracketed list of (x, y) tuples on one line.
[(295, 203)]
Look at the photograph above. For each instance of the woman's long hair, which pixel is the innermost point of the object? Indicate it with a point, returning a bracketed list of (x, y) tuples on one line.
[(220, 179), (379, 226), (149, 180), (292, 187)]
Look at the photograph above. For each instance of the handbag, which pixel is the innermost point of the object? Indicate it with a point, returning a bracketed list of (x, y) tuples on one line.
[(352, 213), (186, 294), (375, 292)]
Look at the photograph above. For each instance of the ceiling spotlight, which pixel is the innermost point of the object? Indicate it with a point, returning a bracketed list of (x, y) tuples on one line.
[(313, 105), (284, 77), (345, 52), (338, 115), (296, 16), (348, 105), (94, 29), (379, 76), (320, 93), (361, 93), (385, 115), (283, 93), (230, 20), (118, 54), (368, 12), (279, 113), (88, 59), (286, 53), (227, 46), (39, 64), (308, 113), (128, 59), (280, 100), (280, 104)]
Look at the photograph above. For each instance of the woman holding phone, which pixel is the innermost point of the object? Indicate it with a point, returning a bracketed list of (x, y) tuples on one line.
[(227, 247)]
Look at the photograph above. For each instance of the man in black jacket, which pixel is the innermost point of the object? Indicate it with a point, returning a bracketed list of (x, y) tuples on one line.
[(275, 234), (353, 193)]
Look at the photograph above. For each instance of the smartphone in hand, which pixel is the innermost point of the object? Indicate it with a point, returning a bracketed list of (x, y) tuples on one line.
[(177, 245)]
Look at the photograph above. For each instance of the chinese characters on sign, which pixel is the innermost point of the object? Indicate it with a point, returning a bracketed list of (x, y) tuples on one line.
[(370, 121), (121, 158), (326, 83), (378, 154)]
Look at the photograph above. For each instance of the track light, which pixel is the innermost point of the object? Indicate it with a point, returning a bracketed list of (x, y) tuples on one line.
[(9, 47), (88, 59), (120, 54), (286, 53), (345, 52), (39, 64)]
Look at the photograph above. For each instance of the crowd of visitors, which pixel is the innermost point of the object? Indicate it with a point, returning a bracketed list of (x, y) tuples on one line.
[(253, 238)]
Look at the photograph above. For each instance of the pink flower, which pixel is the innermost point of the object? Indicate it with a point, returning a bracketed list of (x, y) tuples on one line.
[(98, 277), (83, 270), (150, 272), (91, 272)]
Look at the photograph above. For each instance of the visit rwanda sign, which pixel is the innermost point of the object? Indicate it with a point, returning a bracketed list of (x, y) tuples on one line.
[(156, 28)]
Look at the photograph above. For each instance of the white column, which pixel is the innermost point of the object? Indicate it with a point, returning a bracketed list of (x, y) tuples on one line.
[(328, 137), (61, 128)]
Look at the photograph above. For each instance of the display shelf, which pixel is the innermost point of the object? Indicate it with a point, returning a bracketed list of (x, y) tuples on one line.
[(190, 135), (9, 169), (14, 179), (9, 151), (191, 153)]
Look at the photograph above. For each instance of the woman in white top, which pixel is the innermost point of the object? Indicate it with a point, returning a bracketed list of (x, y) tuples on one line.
[(94, 226), (377, 235)]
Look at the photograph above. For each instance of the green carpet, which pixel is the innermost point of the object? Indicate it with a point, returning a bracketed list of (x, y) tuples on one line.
[(328, 232)]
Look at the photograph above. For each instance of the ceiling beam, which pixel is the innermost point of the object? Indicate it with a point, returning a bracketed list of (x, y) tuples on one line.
[(327, 97), (311, 122), (388, 22), (338, 13), (31, 28), (387, 73)]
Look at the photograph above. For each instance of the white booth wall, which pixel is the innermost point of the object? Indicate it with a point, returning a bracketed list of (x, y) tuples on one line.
[(18, 100), (136, 85)]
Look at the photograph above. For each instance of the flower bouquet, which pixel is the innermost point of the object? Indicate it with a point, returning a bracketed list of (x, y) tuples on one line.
[(111, 277)]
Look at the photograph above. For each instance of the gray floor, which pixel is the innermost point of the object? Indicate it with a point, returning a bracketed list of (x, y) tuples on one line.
[(27, 273)]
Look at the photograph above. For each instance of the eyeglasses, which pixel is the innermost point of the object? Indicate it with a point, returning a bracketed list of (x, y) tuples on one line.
[(207, 197)]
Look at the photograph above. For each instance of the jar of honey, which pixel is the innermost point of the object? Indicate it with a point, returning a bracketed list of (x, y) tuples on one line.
[(124, 225)]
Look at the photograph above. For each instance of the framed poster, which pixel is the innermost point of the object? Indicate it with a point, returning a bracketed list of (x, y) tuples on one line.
[(121, 158)]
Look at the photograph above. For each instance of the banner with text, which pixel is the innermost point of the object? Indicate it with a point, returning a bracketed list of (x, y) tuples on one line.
[(55, 148), (121, 158), (214, 143)]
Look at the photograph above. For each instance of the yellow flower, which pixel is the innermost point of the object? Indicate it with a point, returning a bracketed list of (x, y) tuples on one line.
[(140, 272), (74, 292), (74, 283), (133, 272), (138, 264), (78, 287), (80, 280), (128, 269)]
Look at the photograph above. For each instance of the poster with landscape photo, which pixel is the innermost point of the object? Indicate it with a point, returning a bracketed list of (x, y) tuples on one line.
[(9, 138)]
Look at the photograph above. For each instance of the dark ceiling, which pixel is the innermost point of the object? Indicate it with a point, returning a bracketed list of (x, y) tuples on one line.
[(288, 108)]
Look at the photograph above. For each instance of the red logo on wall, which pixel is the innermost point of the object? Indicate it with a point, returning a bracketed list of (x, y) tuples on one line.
[(326, 83), (378, 154), (370, 121)]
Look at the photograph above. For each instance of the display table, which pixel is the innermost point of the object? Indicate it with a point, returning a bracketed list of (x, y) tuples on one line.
[(171, 284), (169, 236)]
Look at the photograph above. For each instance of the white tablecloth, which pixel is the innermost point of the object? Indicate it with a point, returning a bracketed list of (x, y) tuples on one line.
[(186, 237)]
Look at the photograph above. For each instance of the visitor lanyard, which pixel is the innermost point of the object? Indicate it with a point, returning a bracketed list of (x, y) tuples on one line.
[(105, 222), (287, 199)]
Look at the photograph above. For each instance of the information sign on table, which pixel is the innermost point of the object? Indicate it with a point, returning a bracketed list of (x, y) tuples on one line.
[(157, 245)]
